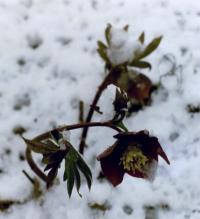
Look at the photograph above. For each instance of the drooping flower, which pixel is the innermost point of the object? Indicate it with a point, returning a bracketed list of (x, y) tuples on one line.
[(135, 84), (135, 153)]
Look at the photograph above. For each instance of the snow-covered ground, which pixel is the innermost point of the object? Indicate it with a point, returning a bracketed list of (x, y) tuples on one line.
[(48, 62)]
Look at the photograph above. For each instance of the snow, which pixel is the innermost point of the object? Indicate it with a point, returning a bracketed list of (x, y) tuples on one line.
[(66, 135), (123, 47), (48, 62)]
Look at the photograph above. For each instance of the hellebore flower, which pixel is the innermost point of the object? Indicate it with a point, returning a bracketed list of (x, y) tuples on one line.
[(135, 153)]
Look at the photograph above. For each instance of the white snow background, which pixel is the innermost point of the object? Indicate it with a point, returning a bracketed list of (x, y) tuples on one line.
[(41, 87)]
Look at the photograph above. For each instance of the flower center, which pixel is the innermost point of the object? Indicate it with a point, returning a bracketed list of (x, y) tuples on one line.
[(133, 159)]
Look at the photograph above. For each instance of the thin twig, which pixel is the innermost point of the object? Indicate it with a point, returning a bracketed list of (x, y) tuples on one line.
[(34, 167), (77, 126), (81, 111), (97, 96), (28, 177)]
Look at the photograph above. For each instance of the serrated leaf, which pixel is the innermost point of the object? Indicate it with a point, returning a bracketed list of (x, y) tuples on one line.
[(70, 177), (73, 162), (86, 172), (107, 33), (77, 180), (142, 37), (40, 147), (153, 45), (140, 64), (85, 167), (70, 160)]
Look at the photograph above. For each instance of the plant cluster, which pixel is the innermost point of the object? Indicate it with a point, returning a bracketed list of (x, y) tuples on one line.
[(134, 153)]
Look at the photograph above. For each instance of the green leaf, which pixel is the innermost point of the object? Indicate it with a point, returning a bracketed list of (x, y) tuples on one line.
[(153, 45), (69, 168), (142, 37), (140, 64), (77, 180), (101, 45), (40, 147), (86, 172), (102, 53), (70, 159), (107, 33), (73, 162)]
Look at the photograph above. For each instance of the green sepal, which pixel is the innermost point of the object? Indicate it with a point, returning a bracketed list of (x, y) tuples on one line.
[(140, 64), (142, 37), (102, 51), (107, 33), (153, 45)]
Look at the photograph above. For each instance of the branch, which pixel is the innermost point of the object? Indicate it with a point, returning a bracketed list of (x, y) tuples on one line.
[(46, 135)]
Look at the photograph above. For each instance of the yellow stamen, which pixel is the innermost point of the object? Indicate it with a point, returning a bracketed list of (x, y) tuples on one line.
[(133, 159)]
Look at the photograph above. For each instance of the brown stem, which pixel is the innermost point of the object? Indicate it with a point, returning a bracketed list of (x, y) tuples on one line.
[(28, 176), (46, 135), (97, 96), (81, 111), (77, 126), (34, 167)]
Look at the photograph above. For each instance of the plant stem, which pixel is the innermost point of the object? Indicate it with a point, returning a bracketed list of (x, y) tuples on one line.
[(77, 126), (97, 96), (46, 135), (34, 167)]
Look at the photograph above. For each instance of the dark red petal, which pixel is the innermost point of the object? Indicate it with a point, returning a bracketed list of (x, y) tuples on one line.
[(106, 153), (161, 152), (112, 170), (132, 135), (155, 149)]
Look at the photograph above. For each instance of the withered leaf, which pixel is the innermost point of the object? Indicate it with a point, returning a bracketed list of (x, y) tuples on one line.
[(40, 147)]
